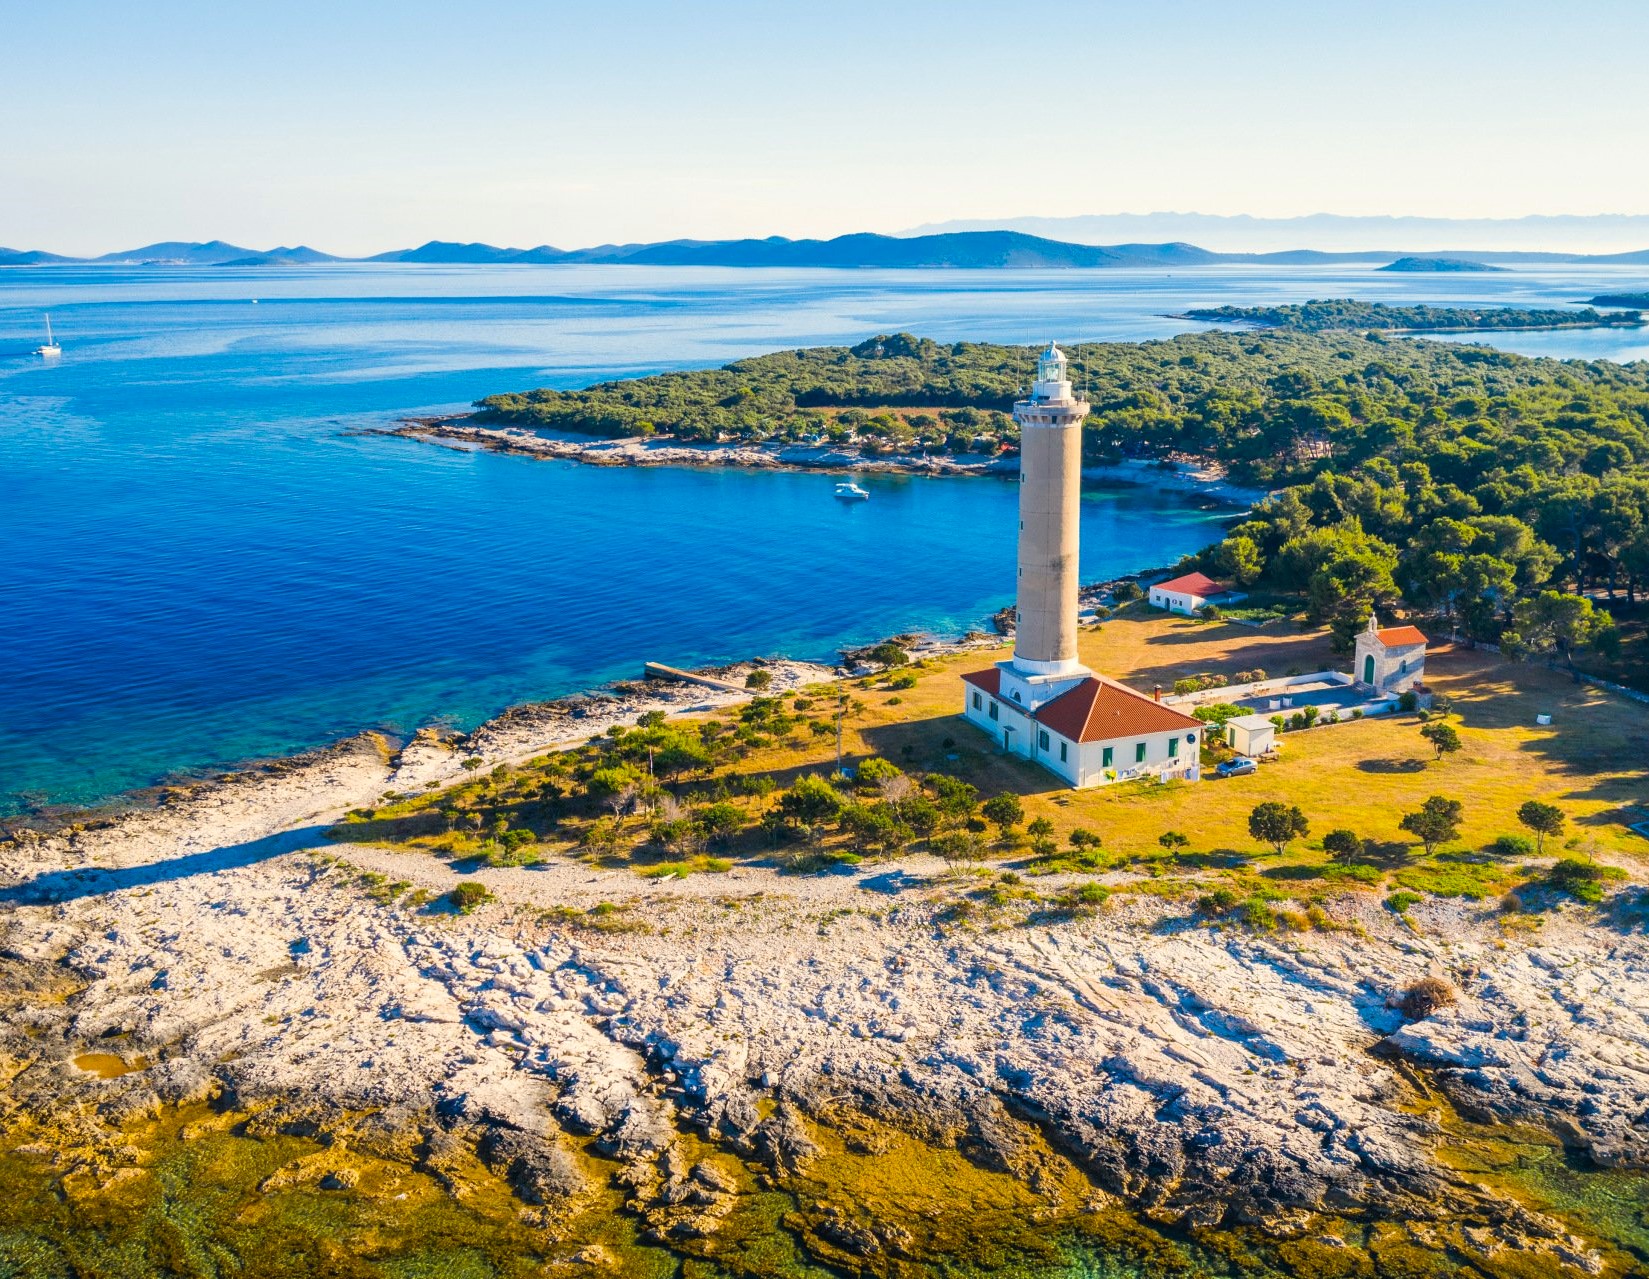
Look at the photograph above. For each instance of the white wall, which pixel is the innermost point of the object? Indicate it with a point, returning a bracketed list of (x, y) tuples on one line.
[(1176, 601), (1156, 757), (1396, 670), (1084, 763)]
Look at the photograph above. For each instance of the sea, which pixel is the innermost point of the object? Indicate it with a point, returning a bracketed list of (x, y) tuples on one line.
[(207, 557)]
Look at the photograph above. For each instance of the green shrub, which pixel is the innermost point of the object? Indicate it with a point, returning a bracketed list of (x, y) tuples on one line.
[(1399, 903), (1512, 846), (1005, 811), (1258, 915), (888, 653), (469, 895), (1358, 872), (874, 771), (1222, 901), (1452, 879), (1582, 880)]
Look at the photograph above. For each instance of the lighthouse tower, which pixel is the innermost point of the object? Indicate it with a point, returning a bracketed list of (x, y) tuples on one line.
[(1043, 704), (1044, 663)]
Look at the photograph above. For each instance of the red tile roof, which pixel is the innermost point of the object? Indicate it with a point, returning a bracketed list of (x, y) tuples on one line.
[(1193, 584), (1400, 636), (1098, 710), (989, 680)]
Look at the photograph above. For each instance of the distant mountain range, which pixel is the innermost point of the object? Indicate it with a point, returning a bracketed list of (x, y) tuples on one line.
[(1330, 232), (964, 249)]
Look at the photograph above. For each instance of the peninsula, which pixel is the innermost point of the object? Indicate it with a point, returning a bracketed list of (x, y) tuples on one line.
[(794, 957), (597, 1003), (1327, 315)]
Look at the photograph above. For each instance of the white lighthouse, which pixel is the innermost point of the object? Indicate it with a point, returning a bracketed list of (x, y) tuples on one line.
[(1043, 703), (1044, 661)]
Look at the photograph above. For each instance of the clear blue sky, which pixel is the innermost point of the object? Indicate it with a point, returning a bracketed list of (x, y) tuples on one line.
[(357, 127)]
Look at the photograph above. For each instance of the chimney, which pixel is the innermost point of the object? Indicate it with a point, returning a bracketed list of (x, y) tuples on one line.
[(1156, 691)]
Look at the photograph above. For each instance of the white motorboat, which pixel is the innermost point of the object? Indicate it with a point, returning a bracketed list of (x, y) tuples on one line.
[(51, 350), (848, 491)]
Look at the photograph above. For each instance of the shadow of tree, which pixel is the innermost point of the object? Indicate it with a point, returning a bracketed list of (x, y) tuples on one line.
[(73, 885), (1391, 766), (1388, 854), (388, 830), (1296, 872), (1217, 859), (977, 760)]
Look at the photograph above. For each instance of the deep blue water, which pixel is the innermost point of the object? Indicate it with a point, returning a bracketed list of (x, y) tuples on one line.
[(200, 563)]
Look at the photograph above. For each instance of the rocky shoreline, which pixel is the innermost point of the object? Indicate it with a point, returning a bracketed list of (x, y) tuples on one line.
[(701, 1038), (1207, 1078), (1202, 479)]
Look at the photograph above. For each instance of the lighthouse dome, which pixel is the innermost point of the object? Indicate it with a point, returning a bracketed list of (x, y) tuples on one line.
[(1051, 366)]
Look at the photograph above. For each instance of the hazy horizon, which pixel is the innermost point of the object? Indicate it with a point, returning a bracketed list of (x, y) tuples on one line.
[(1224, 233), (357, 129)]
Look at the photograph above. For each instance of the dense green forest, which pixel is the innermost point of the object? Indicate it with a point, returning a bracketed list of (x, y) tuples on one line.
[(1484, 488), (1327, 314), (1638, 300)]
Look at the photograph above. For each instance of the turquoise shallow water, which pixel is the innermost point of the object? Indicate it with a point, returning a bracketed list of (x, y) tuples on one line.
[(203, 564)]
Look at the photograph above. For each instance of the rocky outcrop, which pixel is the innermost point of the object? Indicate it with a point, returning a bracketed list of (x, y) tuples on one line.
[(1206, 1076)]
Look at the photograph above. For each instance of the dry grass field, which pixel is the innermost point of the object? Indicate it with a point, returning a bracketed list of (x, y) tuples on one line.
[(1592, 761)]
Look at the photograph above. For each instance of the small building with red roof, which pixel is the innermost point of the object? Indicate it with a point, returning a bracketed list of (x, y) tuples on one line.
[(1191, 592), (1095, 732), (1389, 659)]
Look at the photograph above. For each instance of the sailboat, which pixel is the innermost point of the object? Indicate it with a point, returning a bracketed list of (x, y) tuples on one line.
[(51, 350)]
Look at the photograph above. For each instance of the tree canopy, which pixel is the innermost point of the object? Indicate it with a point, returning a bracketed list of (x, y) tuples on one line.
[(1457, 479)]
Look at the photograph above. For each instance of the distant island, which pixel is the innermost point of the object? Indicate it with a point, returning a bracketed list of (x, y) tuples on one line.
[(1637, 300), (1422, 265), (1327, 315), (973, 250)]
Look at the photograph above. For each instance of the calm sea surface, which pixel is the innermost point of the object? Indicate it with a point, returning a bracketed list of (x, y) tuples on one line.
[(201, 562)]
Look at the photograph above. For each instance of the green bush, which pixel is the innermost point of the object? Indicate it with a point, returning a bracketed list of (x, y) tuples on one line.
[(469, 895), (1222, 901), (1399, 903), (1005, 811), (1359, 872), (888, 653), (1512, 846), (1582, 880)]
